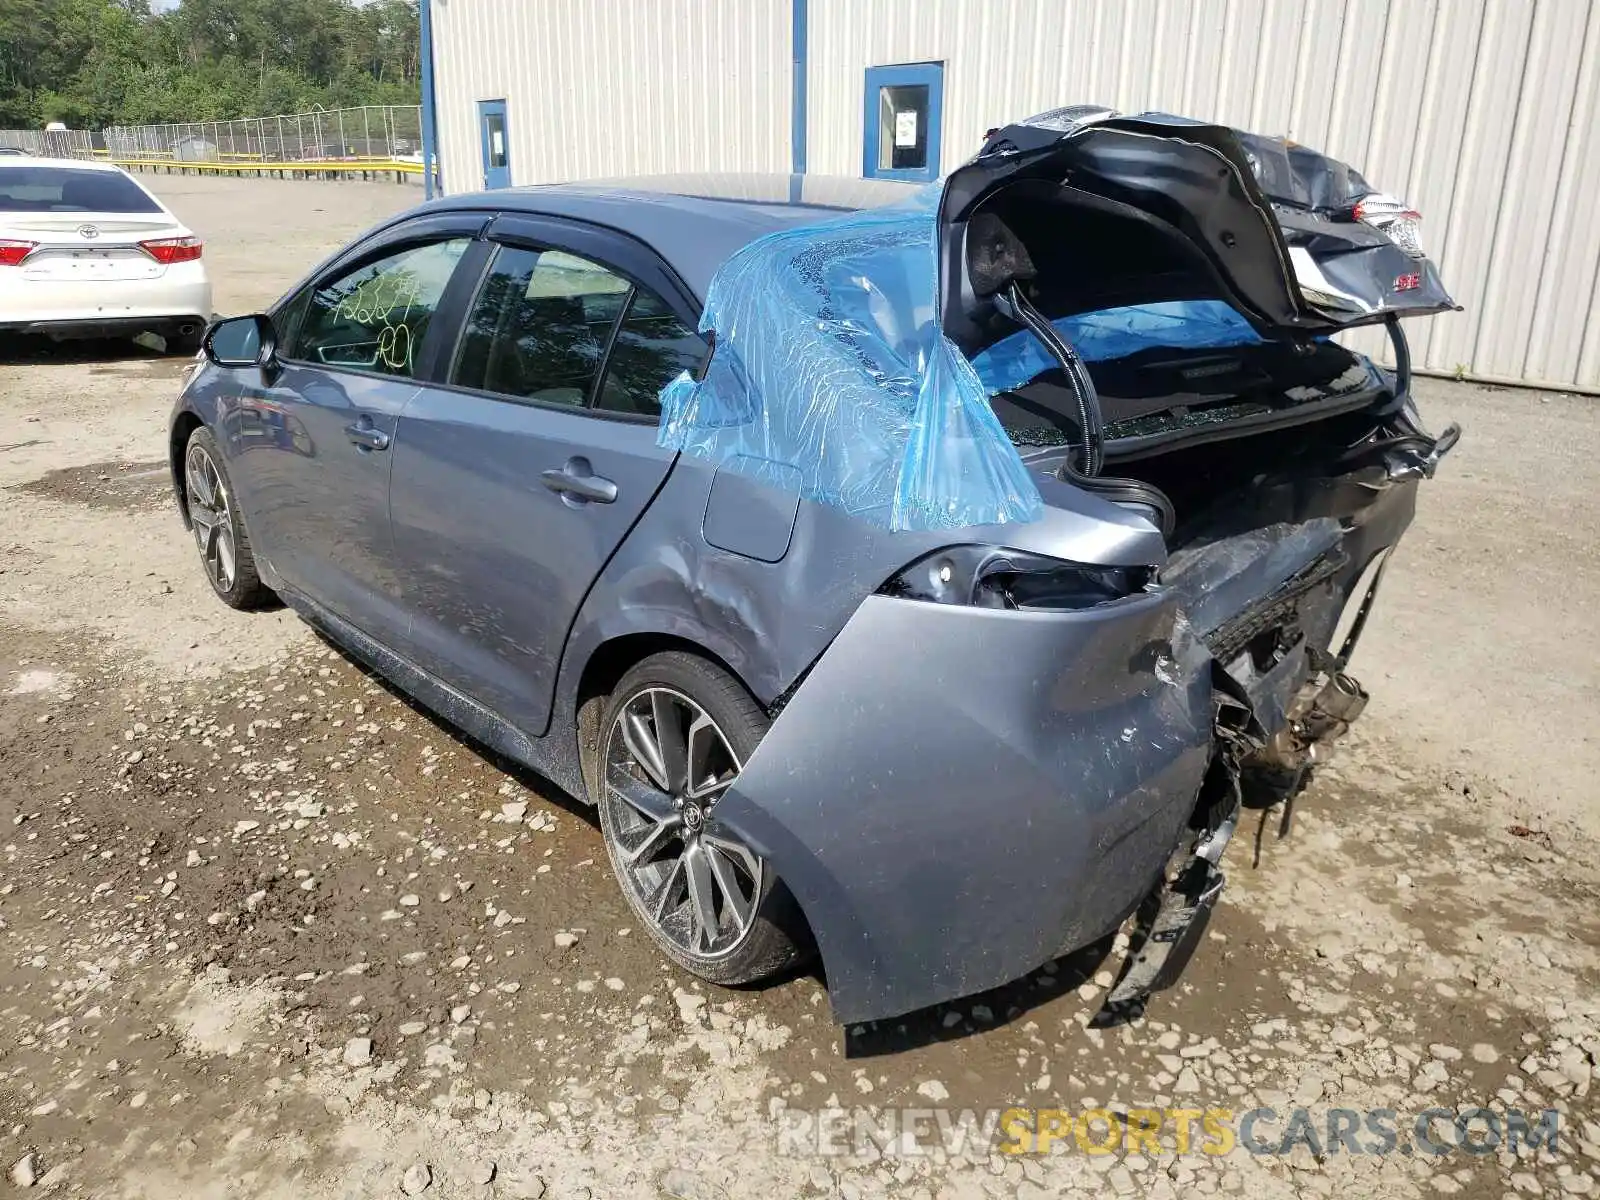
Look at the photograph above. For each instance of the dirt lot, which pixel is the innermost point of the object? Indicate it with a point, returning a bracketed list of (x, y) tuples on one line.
[(228, 857)]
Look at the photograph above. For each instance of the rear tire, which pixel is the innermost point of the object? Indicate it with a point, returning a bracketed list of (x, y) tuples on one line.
[(676, 731), (218, 526)]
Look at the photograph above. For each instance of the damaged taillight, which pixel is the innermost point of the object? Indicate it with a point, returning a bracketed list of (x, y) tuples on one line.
[(1395, 219), (991, 577), (12, 253)]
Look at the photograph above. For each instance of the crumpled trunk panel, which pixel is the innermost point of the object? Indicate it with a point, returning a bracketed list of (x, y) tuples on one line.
[(1271, 223)]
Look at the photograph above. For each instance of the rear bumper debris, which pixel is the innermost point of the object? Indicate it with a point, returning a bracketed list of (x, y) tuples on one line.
[(957, 795), (1164, 940)]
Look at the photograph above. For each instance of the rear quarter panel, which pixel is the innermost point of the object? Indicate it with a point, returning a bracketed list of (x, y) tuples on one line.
[(768, 621)]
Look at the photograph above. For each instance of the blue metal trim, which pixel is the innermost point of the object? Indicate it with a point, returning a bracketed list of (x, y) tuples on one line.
[(799, 25), (430, 132), (931, 74)]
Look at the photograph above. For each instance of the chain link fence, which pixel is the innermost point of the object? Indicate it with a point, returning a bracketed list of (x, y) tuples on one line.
[(337, 135), (373, 133), (51, 143)]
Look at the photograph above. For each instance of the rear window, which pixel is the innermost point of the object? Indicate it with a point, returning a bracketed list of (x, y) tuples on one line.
[(62, 189)]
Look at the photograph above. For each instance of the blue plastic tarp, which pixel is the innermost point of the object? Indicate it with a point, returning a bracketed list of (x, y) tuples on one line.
[(830, 365)]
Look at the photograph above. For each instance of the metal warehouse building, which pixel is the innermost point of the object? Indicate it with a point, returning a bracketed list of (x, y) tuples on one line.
[(1485, 114)]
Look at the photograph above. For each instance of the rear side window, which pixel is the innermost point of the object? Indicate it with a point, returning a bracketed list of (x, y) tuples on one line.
[(653, 348), (63, 189), (546, 322), (375, 317), (540, 326)]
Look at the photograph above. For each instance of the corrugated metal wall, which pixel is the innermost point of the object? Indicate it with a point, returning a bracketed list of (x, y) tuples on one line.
[(605, 87), (1485, 114)]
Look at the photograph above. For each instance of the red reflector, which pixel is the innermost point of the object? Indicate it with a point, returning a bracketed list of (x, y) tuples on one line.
[(167, 251), (12, 253)]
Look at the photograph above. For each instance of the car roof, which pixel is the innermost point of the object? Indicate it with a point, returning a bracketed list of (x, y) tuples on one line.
[(695, 222), (82, 164)]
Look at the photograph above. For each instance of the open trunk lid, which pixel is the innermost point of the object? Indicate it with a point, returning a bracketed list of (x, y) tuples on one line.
[(1297, 242)]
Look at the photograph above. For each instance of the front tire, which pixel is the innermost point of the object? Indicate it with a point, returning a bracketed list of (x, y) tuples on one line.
[(218, 526), (676, 732)]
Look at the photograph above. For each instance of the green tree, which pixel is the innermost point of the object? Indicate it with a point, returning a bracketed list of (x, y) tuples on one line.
[(92, 63)]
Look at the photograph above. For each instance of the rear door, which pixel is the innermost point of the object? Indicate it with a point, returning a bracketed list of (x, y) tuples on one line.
[(519, 472), (310, 447)]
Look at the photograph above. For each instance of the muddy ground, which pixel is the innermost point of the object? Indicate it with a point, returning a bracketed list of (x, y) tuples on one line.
[(268, 930)]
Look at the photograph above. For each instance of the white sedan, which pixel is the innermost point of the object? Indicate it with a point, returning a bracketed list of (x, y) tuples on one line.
[(87, 251)]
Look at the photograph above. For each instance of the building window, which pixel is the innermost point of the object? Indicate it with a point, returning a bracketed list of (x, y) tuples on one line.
[(496, 143), (902, 121)]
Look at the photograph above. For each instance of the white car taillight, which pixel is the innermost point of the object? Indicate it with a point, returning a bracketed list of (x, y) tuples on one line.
[(1395, 219), (12, 253)]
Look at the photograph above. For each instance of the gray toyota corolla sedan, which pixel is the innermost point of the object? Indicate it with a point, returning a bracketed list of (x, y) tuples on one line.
[(920, 579)]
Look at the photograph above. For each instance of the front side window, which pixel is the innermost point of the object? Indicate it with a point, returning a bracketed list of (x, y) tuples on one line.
[(540, 326), (375, 317)]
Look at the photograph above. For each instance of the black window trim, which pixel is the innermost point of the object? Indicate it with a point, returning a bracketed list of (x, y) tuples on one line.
[(533, 231), (454, 307), (592, 400), (384, 243)]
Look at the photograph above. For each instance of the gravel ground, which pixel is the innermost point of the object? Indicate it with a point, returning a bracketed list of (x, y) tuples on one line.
[(267, 930)]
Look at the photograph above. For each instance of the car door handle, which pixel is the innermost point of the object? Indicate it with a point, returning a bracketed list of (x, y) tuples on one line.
[(577, 484), (367, 437)]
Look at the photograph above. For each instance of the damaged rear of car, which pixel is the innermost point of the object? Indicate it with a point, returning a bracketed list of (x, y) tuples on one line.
[(1040, 724)]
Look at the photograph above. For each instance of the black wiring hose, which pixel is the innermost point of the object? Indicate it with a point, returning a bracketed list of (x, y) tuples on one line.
[(1127, 492), (1089, 420), (1091, 423), (1410, 441), (1408, 438)]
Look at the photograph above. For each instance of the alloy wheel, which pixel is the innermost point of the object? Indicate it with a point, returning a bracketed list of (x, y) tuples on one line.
[(211, 516), (666, 765)]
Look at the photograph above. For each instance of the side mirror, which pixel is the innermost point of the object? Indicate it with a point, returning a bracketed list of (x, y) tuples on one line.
[(242, 342)]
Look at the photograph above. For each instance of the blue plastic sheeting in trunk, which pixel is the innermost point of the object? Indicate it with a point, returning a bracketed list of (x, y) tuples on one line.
[(1115, 333)]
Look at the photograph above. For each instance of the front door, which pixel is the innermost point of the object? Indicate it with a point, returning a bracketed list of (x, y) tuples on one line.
[(903, 117), (516, 478), (311, 448), (496, 144)]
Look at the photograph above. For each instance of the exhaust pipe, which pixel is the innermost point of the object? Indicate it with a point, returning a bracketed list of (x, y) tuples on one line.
[(1276, 772), (1333, 710)]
